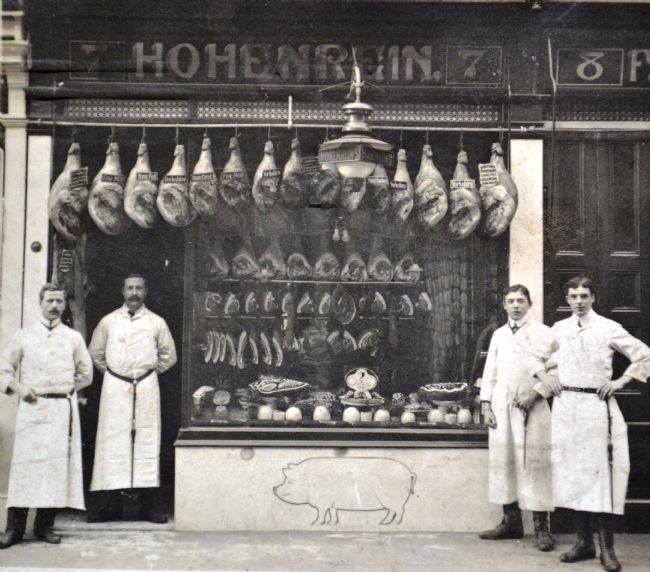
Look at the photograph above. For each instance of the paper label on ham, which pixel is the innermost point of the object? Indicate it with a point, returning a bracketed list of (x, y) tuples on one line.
[(152, 176), (272, 173), (379, 181), (488, 174), (66, 260), (462, 184), (353, 185), (181, 179), (234, 175), (119, 179), (310, 165), (79, 179), (206, 177), (398, 186)]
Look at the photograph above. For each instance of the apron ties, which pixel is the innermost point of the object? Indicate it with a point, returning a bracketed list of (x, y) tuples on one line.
[(133, 390), (67, 396)]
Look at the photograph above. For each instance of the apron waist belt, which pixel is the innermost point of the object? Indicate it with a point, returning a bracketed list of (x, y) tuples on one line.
[(130, 379), (580, 389), (67, 396)]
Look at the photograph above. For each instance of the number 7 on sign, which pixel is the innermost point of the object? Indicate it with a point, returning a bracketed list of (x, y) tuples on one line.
[(472, 57)]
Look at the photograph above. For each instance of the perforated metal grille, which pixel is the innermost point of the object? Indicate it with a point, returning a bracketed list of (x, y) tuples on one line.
[(246, 112), (602, 110), (127, 110)]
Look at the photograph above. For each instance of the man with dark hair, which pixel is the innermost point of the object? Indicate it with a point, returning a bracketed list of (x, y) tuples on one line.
[(131, 347), (519, 418), (590, 450), (46, 471)]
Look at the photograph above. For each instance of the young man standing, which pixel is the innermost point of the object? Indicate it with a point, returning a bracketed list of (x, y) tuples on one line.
[(513, 391), (46, 471), (590, 450), (131, 346)]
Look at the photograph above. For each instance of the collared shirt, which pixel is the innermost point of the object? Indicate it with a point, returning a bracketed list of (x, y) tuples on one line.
[(132, 345), (52, 358), (515, 325)]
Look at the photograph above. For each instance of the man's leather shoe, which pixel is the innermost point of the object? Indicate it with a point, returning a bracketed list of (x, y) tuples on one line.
[(545, 541), (48, 535), (10, 538), (583, 550), (509, 528)]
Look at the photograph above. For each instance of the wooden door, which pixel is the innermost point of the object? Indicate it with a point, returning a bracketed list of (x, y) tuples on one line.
[(597, 220)]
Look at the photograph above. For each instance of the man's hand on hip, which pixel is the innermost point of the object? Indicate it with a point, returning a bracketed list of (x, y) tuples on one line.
[(25, 393)]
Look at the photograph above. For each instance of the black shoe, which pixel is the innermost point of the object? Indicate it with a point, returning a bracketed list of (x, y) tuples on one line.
[(48, 535), (609, 561), (545, 541), (10, 538), (583, 550)]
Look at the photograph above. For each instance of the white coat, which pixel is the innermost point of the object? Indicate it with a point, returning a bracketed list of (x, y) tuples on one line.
[(129, 346), (581, 471), (512, 362), (46, 469)]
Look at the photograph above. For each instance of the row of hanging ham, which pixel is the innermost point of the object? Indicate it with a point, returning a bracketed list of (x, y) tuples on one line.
[(114, 204)]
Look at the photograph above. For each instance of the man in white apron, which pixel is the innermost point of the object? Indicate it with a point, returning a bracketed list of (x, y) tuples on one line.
[(590, 450), (46, 471), (513, 402), (131, 347)]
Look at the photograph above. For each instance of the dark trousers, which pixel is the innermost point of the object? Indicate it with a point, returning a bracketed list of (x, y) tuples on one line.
[(110, 502), (17, 519)]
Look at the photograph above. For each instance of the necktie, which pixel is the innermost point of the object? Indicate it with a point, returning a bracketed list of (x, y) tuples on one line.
[(131, 313), (514, 328)]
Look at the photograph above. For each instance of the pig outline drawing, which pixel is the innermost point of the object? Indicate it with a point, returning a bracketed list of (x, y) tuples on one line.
[(377, 490)]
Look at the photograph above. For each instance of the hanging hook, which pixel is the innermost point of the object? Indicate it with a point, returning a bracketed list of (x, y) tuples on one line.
[(460, 142), (401, 137), (268, 133), (73, 134), (176, 135), (205, 131), (236, 131), (426, 136), (501, 135), (144, 133), (296, 131), (327, 132), (111, 139)]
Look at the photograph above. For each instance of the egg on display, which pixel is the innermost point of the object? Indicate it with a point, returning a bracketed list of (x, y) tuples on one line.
[(278, 416), (464, 417), (366, 416), (293, 414), (451, 418), (265, 413), (435, 416), (381, 416), (351, 415), (408, 417), (322, 414)]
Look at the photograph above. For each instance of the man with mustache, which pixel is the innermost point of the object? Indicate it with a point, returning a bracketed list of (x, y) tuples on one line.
[(591, 461), (46, 471), (131, 346)]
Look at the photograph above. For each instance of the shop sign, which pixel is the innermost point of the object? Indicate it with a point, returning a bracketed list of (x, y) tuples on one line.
[(284, 64), (603, 67), (356, 153)]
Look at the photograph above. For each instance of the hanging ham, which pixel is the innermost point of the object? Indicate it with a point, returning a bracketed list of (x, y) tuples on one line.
[(106, 199), (353, 190), (498, 193), (325, 187), (298, 267), (68, 197), (266, 180), (430, 192), (141, 190), (354, 267), (402, 187), (234, 184), (380, 268), (378, 194), (464, 201), (218, 266), (327, 267), (271, 263), (407, 269), (173, 199), (244, 265), (203, 187), (294, 188)]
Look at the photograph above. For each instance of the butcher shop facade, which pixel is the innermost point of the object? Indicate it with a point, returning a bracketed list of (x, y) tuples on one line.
[(327, 203)]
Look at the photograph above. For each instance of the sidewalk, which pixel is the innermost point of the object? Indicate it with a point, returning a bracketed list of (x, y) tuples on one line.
[(142, 546)]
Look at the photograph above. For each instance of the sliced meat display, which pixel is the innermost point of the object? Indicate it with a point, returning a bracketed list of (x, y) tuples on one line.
[(203, 187), (353, 190), (234, 184), (402, 187), (354, 268), (378, 195), (276, 341), (231, 350), (380, 268), (271, 263), (298, 267), (250, 304), (294, 188), (173, 198), (464, 201), (231, 305), (244, 265), (218, 266), (141, 191), (241, 349), (498, 193), (325, 187), (343, 306), (305, 305), (341, 342), (424, 303), (314, 341), (267, 180), (325, 304), (106, 199), (430, 192), (369, 341), (265, 347), (270, 304), (407, 269), (68, 198), (327, 267), (378, 305)]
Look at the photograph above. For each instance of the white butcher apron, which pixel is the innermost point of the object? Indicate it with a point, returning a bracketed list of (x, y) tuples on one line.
[(129, 347), (46, 469), (519, 454), (582, 476)]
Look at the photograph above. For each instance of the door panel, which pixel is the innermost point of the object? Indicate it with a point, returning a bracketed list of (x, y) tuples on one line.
[(597, 220)]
